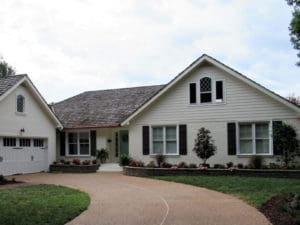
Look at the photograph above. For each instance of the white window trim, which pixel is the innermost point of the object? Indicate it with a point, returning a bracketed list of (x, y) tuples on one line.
[(78, 144), (164, 139), (254, 138), (213, 92), (24, 104)]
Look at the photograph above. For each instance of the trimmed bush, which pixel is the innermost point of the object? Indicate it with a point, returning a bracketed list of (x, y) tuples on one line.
[(192, 165), (240, 166), (219, 166), (229, 164), (75, 161), (136, 163), (124, 160), (165, 165), (160, 159), (256, 162), (182, 165), (151, 164)]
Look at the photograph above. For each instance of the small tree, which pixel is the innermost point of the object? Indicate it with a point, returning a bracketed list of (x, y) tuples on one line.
[(5, 69), (286, 142), (204, 145)]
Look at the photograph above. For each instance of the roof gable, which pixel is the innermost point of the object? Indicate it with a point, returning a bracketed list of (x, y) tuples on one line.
[(204, 59), (10, 83)]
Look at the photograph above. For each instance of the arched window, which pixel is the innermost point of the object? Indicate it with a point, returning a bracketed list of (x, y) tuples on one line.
[(20, 103), (205, 90)]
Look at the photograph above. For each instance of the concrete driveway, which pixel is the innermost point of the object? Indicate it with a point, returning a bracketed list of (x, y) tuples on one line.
[(123, 200)]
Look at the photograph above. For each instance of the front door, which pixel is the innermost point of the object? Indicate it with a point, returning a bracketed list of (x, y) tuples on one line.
[(123, 140)]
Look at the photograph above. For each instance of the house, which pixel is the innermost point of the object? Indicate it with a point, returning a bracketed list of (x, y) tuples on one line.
[(27, 128), (164, 119)]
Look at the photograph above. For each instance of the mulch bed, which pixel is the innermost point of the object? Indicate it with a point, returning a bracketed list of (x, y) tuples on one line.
[(276, 210)]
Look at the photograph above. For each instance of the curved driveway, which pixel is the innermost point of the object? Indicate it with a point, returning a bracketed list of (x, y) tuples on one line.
[(123, 200)]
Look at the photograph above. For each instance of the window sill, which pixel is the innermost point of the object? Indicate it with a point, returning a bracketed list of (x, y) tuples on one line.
[(207, 104), (167, 156), (21, 113), (78, 156), (249, 156)]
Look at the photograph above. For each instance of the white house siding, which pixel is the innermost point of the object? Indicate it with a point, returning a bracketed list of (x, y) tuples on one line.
[(36, 124), (242, 103)]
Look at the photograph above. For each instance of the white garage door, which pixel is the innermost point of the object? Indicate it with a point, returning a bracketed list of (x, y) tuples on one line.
[(22, 155)]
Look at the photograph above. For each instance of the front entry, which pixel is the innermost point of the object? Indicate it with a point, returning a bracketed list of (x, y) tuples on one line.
[(123, 140)]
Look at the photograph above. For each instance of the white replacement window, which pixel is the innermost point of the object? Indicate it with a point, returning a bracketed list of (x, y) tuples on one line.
[(78, 143), (254, 138), (205, 90), (20, 104), (164, 140)]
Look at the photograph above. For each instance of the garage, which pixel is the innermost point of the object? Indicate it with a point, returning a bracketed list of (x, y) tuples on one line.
[(23, 155), (28, 128)]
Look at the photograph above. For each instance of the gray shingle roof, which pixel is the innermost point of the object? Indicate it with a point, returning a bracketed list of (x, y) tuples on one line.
[(8, 82), (103, 108)]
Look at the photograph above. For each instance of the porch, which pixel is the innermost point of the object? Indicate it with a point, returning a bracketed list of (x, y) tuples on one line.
[(84, 143)]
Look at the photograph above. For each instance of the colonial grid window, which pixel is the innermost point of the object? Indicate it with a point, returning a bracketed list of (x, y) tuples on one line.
[(20, 104), (9, 142), (25, 142), (78, 143), (205, 90), (254, 138), (164, 140)]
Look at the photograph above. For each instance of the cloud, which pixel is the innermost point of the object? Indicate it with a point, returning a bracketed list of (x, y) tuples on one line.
[(68, 47)]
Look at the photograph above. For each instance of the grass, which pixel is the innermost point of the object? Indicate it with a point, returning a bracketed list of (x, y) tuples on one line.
[(41, 204), (253, 190)]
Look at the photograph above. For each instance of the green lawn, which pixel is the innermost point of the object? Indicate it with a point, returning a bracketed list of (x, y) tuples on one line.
[(254, 190), (41, 204)]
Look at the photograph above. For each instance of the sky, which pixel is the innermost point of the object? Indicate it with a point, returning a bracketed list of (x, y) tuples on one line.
[(71, 46)]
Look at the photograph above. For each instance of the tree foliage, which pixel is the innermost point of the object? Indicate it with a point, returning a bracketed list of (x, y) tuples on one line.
[(204, 145), (5, 69), (285, 139), (295, 26)]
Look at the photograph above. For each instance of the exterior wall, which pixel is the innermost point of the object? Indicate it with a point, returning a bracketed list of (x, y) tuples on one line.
[(242, 103), (36, 124)]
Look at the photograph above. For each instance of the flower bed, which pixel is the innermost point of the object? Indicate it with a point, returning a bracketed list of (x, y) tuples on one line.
[(146, 171), (74, 168)]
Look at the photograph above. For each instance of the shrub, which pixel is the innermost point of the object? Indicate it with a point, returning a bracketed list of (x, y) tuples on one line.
[(204, 165), (151, 164), (68, 163), (136, 163), (102, 155), (124, 160), (240, 165), (2, 179), (204, 145), (229, 164), (219, 166), (94, 161), (182, 165), (76, 161), (62, 161), (192, 165), (285, 142), (54, 163), (256, 162), (165, 165), (160, 159), (86, 162)]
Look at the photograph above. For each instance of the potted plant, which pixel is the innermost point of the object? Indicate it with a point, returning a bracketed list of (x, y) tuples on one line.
[(102, 155)]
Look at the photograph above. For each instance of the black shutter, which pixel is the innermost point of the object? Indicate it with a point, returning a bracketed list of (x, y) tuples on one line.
[(192, 92), (93, 142), (117, 144), (231, 138), (182, 140), (146, 141), (62, 140), (219, 90), (276, 149)]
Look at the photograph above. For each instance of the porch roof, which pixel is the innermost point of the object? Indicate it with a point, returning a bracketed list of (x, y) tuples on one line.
[(103, 108)]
